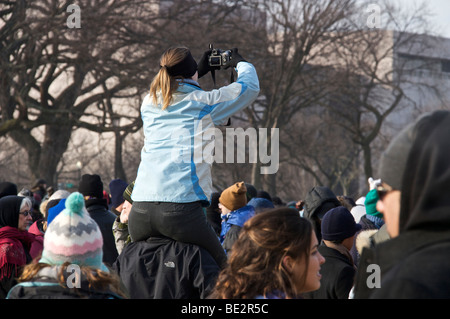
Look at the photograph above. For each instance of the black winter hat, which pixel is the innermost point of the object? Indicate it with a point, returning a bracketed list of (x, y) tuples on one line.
[(91, 185), (339, 224), (7, 188)]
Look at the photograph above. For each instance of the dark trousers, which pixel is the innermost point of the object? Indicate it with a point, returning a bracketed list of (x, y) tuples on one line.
[(184, 222)]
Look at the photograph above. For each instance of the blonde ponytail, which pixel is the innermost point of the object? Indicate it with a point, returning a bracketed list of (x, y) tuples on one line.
[(163, 82)]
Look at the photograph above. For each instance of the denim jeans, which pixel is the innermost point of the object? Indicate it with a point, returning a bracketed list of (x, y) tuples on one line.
[(184, 222)]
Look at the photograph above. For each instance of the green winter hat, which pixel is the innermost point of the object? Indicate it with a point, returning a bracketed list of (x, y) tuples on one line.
[(371, 204)]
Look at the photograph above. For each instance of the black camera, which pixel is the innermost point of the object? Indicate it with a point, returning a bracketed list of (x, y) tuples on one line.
[(219, 58)]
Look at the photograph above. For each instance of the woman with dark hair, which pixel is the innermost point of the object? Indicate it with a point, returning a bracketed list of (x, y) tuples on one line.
[(173, 183), (275, 257)]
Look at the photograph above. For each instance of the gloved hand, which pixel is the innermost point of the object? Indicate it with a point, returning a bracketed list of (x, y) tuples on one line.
[(203, 66), (373, 183), (235, 58)]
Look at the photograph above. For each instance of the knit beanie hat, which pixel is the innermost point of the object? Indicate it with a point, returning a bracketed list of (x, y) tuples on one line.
[(55, 210), (371, 204), (116, 188), (73, 237), (339, 224), (234, 197), (261, 204), (91, 185), (7, 188)]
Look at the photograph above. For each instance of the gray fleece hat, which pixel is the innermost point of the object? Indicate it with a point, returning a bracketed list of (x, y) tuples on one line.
[(393, 160)]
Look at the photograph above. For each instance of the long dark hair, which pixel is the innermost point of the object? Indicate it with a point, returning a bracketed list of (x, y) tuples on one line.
[(255, 266)]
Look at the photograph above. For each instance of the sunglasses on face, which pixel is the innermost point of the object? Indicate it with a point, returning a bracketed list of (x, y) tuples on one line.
[(28, 212), (383, 189)]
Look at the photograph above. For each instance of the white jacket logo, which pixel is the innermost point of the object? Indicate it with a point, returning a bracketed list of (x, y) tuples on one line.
[(169, 264)]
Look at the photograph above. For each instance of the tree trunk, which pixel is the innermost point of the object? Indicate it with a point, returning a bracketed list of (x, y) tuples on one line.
[(367, 153)]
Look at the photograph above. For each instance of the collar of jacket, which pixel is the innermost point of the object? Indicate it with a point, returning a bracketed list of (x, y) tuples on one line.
[(187, 83)]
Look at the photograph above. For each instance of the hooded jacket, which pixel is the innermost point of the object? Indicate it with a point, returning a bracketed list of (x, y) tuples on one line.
[(415, 264), (318, 201), (173, 167)]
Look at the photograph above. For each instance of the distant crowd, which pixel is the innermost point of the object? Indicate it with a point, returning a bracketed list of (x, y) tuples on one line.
[(319, 247), (168, 235)]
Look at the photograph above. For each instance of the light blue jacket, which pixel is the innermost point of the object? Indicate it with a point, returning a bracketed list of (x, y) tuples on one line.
[(172, 167)]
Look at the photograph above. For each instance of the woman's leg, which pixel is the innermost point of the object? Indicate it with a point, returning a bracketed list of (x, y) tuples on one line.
[(185, 222)]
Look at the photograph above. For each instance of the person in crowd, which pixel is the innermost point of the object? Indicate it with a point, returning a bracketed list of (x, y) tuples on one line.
[(213, 213), (71, 265), (261, 204), (263, 194), (275, 257), (346, 201), (162, 268), (359, 210), (235, 212), (251, 191), (172, 187), (15, 240), (7, 188), (413, 198), (338, 273), (38, 230), (318, 201), (35, 213), (91, 186), (54, 200), (116, 188), (40, 188), (278, 202), (373, 219), (120, 226)]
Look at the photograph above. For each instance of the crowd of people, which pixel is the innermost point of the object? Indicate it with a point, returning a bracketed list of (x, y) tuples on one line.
[(168, 235)]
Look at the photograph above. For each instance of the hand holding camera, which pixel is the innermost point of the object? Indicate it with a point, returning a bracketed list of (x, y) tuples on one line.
[(216, 59)]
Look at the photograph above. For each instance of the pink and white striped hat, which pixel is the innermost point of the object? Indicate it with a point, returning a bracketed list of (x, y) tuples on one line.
[(74, 237)]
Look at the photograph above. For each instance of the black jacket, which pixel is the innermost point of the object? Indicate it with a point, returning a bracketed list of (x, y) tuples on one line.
[(338, 274), (98, 210), (161, 268), (416, 264)]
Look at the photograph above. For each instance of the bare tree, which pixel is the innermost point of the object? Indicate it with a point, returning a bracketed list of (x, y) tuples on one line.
[(369, 83), (59, 74)]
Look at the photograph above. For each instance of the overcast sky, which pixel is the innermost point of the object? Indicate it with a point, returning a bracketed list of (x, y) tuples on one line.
[(441, 14)]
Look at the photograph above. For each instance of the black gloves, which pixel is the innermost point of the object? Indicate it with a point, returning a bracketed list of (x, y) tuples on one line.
[(235, 58), (203, 66)]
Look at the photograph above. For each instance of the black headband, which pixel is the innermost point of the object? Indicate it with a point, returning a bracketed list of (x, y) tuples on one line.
[(186, 68)]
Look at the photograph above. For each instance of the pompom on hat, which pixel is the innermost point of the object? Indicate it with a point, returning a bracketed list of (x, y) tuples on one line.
[(74, 237)]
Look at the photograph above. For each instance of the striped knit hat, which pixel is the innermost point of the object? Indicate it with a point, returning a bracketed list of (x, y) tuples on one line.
[(74, 237)]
